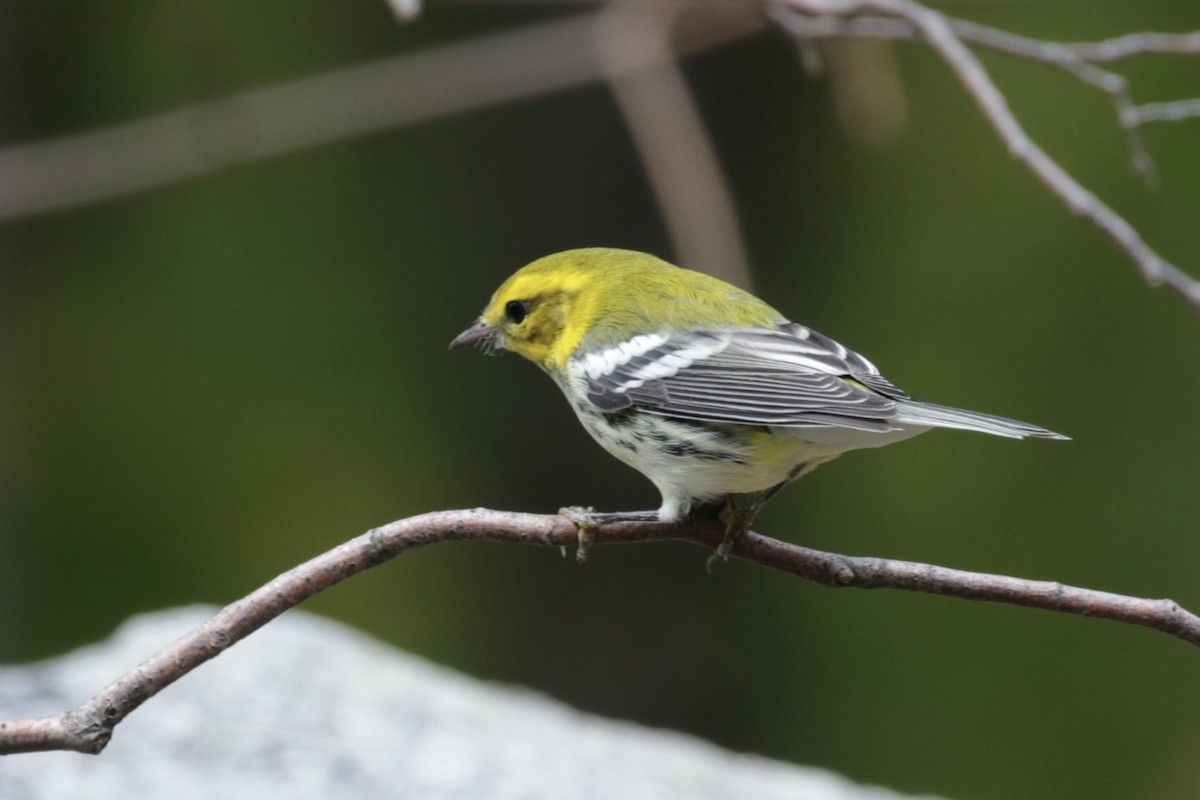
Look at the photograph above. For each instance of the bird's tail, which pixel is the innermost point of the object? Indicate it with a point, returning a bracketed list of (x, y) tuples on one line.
[(935, 416)]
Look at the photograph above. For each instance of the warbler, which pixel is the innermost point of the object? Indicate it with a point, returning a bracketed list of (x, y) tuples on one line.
[(702, 387)]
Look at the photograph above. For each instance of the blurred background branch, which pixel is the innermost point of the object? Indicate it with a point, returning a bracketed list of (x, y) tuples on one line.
[(157, 151), (630, 43), (681, 163)]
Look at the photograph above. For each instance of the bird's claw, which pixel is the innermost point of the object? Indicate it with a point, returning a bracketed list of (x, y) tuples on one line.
[(737, 523), (585, 524)]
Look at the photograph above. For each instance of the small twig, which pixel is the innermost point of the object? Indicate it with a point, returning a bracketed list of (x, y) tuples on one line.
[(937, 31), (88, 728), (1063, 56), (1167, 112), (1139, 44), (1104, 52)]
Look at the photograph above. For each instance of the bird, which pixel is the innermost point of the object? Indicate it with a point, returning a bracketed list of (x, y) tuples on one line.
[(705, 389)]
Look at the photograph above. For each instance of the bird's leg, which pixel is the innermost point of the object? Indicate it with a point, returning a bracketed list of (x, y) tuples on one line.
[(587, 521), (739, 520)]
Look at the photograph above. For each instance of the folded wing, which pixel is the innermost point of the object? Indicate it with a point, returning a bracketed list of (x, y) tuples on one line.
[(789, 376)]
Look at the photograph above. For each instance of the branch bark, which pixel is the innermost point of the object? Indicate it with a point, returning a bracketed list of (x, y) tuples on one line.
[(89, 727)]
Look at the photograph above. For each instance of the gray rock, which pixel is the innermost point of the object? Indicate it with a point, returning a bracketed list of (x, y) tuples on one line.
[(308, 708)]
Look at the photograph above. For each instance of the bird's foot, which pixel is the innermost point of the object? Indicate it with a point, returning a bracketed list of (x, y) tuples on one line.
[(584, 520), (737, 522), (588, 521)]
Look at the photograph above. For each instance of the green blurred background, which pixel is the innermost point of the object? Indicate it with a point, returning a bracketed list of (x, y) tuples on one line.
[(205, 384)]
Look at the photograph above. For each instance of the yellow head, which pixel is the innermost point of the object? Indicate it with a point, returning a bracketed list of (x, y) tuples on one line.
[(603, 296)]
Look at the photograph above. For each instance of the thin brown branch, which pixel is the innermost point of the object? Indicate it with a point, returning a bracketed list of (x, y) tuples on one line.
[(938, 32), (88, 728)]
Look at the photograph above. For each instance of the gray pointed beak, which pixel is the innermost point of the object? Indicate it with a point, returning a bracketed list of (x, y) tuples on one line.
[(478, 335)]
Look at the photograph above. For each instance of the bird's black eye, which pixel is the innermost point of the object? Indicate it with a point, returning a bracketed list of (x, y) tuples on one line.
[(516, 310)]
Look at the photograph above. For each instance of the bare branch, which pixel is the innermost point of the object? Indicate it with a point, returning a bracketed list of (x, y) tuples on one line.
[(1054, 54), (1139, 44), (938, 31), (1167, 112), (88, 728)]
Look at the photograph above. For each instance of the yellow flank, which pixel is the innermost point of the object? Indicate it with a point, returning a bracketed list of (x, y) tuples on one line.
[(776, 454)]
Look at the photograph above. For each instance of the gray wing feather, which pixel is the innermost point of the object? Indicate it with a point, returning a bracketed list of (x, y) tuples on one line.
[(787, 377)]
